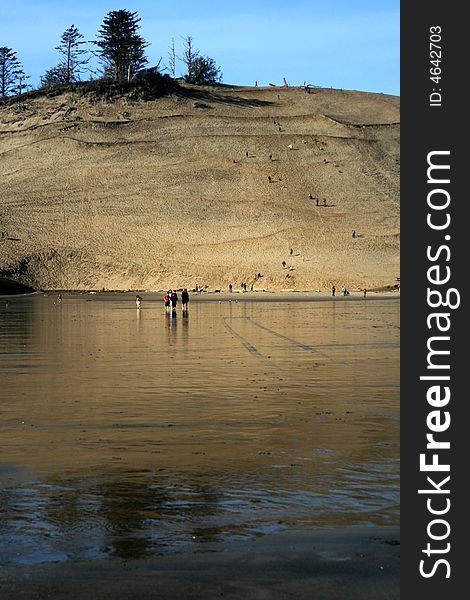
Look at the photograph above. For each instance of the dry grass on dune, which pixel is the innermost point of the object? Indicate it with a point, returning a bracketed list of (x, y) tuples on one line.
[(134, 194)]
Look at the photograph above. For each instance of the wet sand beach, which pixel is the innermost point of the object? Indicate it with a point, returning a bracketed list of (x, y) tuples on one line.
[(247, 449), (328, 564)]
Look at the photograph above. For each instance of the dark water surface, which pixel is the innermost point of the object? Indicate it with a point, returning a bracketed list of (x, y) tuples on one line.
[(127, 432)]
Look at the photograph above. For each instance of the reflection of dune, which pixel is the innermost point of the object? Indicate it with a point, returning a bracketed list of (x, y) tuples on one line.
[(160, 194)]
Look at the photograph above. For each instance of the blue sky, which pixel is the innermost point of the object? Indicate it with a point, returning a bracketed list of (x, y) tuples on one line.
[(348, 44)]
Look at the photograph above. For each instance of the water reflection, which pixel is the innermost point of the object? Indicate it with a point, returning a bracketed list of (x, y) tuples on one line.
[(127, 435)]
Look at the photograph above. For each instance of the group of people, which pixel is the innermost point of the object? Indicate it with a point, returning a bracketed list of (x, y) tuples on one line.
[(171, 300), (345, 291)]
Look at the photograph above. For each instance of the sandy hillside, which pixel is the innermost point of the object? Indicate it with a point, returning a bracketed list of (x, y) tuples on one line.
[(134, 194)]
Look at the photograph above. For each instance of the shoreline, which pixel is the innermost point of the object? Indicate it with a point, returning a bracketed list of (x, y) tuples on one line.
[(225, 295), (333, 563)]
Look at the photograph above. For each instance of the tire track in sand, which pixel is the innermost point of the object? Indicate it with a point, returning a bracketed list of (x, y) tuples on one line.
[(301, 345)]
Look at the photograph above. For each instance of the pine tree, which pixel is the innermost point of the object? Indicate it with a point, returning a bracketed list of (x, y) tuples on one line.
[(205, 70), (121, 48), (172, 59), (21, 85), (55, 76), (188, 58), (11, 72), (73, 56), (199, 69)]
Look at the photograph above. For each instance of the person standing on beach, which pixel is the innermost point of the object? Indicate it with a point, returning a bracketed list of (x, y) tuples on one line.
[(364, 292), (166, 299), (174, 300), (333, 291), (184, 299), (138, 301), (230, 287)]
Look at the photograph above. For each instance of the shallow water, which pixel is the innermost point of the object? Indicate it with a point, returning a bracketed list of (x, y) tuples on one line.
[(127, 432)]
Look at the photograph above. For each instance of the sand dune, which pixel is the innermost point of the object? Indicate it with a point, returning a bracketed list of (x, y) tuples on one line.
[(134, 194)]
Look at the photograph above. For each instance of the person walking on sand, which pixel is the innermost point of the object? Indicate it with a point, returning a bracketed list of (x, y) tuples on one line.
[(333, 291), (230, 288), (364, 292), (166, 299), (353, 233), (184, 299)]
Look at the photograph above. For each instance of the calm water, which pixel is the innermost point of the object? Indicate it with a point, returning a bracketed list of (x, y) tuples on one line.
[(127, 432)]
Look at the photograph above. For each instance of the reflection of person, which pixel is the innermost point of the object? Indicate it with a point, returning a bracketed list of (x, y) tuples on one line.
[(184, 299)]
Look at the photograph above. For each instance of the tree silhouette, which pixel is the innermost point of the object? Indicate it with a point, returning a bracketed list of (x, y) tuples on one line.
[(121, 48), (199, 69), (188, 58), (11, 73), (205, 70), (73, 56), (55, 76), (172, 59)]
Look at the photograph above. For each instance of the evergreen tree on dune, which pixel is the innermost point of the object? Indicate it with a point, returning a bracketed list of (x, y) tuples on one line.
[(122, 49)]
